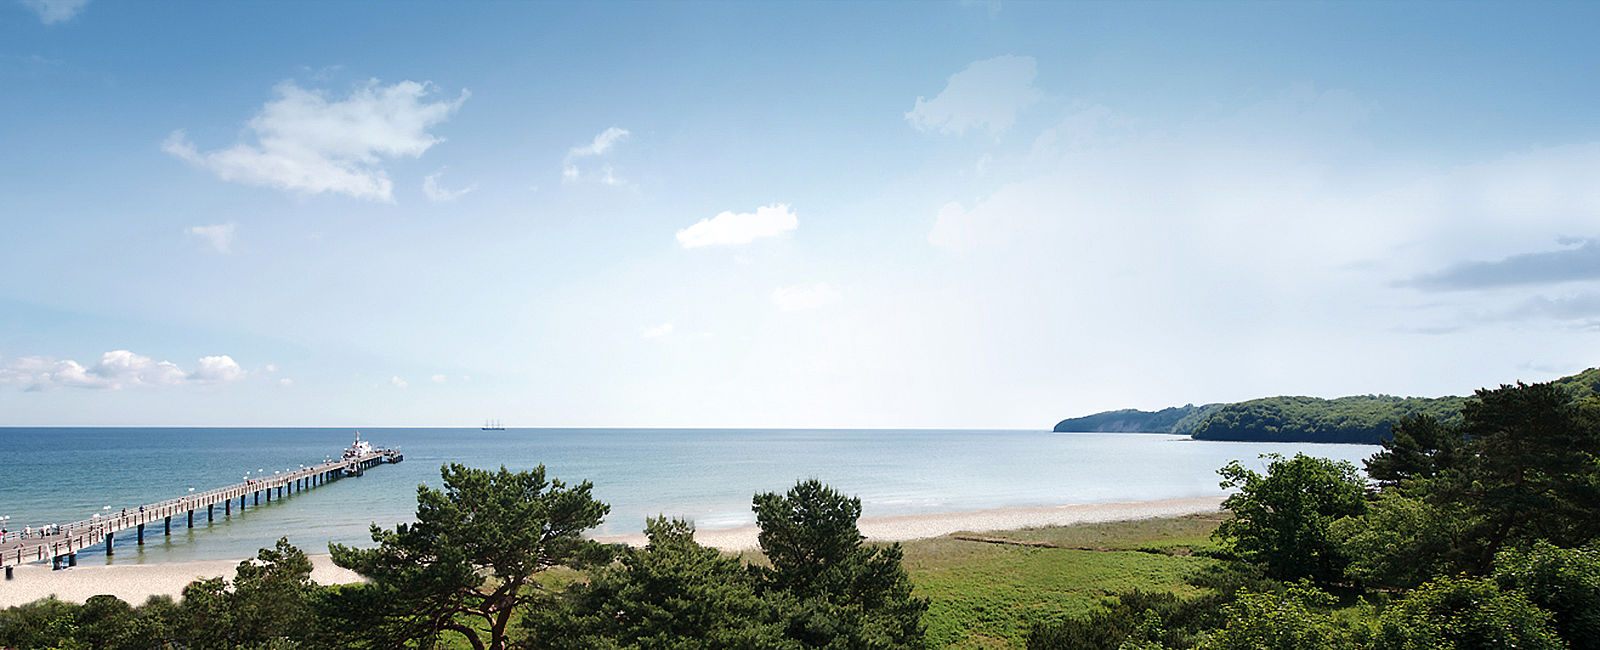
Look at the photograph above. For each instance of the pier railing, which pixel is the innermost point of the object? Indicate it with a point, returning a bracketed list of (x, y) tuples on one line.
[(62, 542)]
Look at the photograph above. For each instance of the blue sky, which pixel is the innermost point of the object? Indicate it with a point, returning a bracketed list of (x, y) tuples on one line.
[(774, 214)]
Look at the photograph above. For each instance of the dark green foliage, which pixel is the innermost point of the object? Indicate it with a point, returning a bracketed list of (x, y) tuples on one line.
[(674, 593), (1140, 616), (1297, 619), (1520, 466), (1581, 386), (1534, 473), (1418, 448), (1174, 419), (269, 600), (1403, 541), (1465, 613), (267, 605), (473, 552), (1281, 519), (833, 591), (101, 622), (1359, 419), (1563, 581)]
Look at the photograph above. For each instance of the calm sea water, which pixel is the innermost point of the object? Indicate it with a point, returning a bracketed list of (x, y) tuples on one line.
[(707, 475)]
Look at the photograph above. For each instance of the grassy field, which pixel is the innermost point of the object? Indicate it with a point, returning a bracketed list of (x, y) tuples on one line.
[(986, 595)]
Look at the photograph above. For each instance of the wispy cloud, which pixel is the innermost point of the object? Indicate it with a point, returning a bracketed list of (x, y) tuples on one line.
[(397, 382), (305, 142), (116, 370), (736, 228), (438, 193), (805, 297), (656, 332), (218, 236), (55, 11), (987, 94), (1548, 267), (602, 144)]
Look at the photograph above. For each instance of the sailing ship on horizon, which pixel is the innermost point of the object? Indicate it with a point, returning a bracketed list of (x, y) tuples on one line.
[(493, 425)]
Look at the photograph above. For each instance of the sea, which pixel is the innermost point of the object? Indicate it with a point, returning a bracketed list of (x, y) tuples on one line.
[(57, 475)]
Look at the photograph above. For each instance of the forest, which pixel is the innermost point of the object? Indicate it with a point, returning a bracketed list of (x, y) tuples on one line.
[(1364, 419)]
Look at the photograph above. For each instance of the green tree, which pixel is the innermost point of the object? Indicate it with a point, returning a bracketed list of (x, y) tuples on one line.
[(1281, 519), (1418, 448), (269, 601), (673, 593), (835, 592), (1295, 620), (1465, 613), (468, 563), (1402, 541), (1564, 581), (44, 623), (1534, 474)]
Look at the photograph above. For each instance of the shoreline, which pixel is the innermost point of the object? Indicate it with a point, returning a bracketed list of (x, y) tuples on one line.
[(135, 583)]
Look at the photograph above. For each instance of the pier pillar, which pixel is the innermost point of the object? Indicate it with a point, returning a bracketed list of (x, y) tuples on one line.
[(72, 559), (169, 525), (211, 512), (227, 506), (191, 519), (109, 548), (141, 534), (269, 496), (8, 573), (258, 497)]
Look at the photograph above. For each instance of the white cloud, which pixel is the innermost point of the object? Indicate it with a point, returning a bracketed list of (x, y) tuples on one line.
[(657, 332), (286, 382), (733, 229), (216, 370), (55, 11), (218, 236), (800, 298), (1275, 237), (986, 94), (438, 379), (397, 382), (602, 144), (116, 370), (306, 143), (438, 193)]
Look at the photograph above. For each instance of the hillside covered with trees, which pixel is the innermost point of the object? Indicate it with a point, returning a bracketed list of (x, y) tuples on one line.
[(1356, 419), (1173, 419)]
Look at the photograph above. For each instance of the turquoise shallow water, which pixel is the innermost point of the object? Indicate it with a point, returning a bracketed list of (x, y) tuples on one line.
[(708, 475)]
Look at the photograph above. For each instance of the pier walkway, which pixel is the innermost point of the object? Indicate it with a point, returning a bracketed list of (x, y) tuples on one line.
[(60, 544)]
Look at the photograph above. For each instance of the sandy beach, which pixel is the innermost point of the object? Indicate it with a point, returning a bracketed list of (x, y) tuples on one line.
[(136, 582)]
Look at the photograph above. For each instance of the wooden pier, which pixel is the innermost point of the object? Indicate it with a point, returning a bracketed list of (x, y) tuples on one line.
[(60, 544)]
